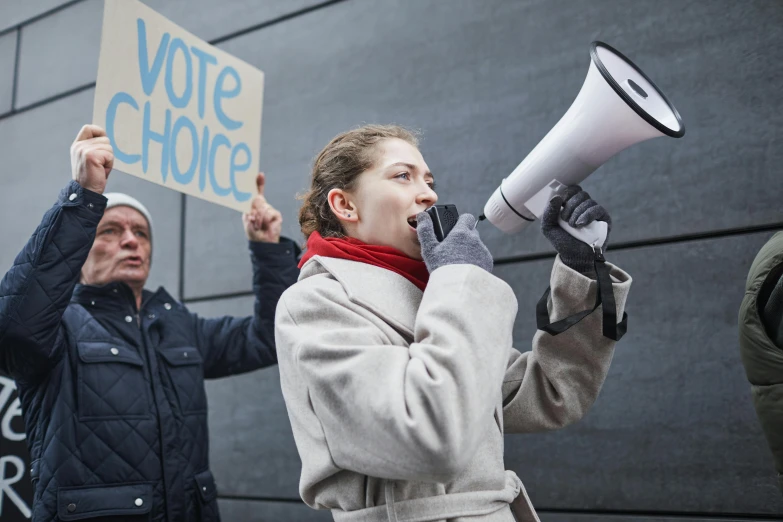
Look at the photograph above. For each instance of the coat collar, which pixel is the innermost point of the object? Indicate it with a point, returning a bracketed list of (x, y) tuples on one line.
[(115, 295), (385, 293)]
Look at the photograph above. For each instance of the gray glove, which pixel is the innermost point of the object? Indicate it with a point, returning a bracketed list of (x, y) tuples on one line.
[(579, 210), (462, 246)]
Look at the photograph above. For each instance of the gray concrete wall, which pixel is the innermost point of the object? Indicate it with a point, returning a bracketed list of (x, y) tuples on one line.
[(673, 435)]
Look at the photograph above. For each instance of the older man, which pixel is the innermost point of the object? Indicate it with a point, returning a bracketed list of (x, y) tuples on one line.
[(110, 375)]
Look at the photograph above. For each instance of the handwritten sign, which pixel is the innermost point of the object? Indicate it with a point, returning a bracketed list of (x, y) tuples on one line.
[(178, 111), (16, 492)]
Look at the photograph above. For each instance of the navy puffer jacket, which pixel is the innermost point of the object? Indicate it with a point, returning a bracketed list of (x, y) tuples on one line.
[(113, 397)]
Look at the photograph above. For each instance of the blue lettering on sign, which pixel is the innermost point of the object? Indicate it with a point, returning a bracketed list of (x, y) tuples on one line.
[(187, 176), (149, 75), (239, 167), (111, 115), (179, 101), (217, 141), (163, 138), (204, 59), (221, 93), (204, 142)]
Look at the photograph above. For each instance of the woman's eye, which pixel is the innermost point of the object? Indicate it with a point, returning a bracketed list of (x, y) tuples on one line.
[(431, 185), (403, 175)]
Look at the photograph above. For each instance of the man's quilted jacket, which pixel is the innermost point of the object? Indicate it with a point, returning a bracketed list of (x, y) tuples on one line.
[(113, 397)]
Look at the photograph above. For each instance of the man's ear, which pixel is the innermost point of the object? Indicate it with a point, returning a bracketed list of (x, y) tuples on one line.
[(342, 205)]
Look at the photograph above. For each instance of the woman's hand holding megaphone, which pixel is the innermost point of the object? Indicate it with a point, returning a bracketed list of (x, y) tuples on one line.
[(577, 209)]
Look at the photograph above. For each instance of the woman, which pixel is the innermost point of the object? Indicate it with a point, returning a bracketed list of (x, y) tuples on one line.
[(395, 350)]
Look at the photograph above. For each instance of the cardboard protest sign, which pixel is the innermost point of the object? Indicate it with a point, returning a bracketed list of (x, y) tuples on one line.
[(178, 111)]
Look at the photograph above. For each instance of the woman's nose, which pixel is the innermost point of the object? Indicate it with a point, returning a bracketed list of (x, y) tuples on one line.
[(428, 196)]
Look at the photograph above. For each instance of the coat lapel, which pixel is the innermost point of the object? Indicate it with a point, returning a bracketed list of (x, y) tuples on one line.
[(388, 295)]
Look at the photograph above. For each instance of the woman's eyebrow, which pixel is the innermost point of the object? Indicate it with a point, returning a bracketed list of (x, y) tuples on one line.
[(409, 166)]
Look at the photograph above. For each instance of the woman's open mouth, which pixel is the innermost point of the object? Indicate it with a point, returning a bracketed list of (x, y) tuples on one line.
[(412, 222)]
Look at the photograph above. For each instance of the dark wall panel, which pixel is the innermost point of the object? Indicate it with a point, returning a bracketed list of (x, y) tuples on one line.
[(13, 12), (210, 19), (486, 80), (59, 52), (674, 428), (7, 60)]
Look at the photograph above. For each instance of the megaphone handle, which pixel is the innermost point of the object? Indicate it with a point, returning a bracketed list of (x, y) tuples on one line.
[(594, 234)]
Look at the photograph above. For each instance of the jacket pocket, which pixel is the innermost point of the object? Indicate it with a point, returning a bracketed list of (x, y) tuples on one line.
[(112, 383), (207, 497), (186, 370), (127, 503)]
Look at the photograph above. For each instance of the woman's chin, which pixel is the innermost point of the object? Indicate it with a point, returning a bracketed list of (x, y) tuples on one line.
[(415, 253)]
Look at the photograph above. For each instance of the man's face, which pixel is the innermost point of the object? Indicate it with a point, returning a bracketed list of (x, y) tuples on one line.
[(121, 251)]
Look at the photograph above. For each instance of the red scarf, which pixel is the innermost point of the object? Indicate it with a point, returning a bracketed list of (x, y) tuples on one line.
[(354, 250)]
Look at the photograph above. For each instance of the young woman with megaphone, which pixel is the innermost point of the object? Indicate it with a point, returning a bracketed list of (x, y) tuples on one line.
[(395, 351)]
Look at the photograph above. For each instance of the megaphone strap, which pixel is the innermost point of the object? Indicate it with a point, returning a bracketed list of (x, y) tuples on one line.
[(604, 298)]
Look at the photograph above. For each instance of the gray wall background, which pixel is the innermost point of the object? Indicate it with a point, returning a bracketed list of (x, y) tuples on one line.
[(673, 435)]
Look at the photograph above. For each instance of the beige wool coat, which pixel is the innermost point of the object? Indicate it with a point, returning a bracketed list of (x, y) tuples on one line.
[(399, 399)]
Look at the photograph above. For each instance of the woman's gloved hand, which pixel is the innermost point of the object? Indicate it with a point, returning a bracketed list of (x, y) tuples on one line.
[(462, 246), (577, 209)]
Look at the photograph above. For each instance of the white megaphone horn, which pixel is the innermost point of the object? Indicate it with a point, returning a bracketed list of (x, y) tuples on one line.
[(617, 106)]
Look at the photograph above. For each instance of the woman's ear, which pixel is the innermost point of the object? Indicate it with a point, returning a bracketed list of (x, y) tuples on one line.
[(342, 206)]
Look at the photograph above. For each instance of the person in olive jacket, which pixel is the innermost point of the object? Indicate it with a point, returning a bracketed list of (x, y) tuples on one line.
[(111, 375), (761, 342)]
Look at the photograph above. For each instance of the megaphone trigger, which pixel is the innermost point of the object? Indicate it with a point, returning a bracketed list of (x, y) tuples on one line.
[(594, 234)]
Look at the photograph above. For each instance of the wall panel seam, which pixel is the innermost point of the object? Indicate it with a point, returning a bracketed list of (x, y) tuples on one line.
[(39, 16)]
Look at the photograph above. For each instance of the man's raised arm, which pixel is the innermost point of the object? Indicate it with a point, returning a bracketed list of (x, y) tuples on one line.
[(36, 290)]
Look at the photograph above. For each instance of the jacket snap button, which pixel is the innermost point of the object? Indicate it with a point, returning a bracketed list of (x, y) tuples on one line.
[(128, 319), (151, 316), (184, 354), (92, 303), (167, 306), (71, 508), (90, 205), (204, 489), (139, 502), (72, 197), (114, 351)]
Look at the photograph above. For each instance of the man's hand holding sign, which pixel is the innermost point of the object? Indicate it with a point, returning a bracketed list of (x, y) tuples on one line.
[(263, 222), (92, 158)]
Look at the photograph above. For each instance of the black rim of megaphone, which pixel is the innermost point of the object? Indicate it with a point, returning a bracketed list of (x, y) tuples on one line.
[(627, 99)]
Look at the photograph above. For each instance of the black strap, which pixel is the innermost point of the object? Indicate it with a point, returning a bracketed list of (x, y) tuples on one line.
[(604, 298)]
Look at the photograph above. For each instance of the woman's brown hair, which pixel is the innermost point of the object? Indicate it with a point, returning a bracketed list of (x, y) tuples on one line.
[(339, 165)]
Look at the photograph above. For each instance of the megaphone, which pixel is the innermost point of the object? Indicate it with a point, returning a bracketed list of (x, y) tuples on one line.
[(617, 106)]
